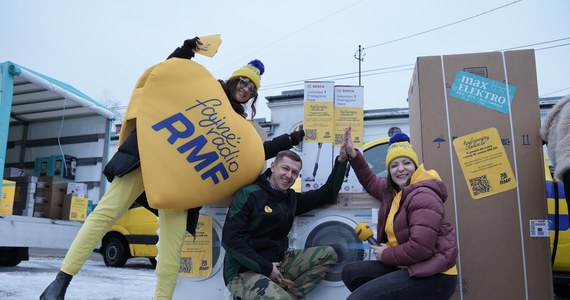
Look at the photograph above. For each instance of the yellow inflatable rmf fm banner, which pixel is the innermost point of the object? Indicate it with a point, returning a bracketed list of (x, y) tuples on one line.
[(194, 149)]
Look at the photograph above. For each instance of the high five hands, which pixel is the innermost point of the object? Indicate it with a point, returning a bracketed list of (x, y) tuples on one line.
[(347, 150)]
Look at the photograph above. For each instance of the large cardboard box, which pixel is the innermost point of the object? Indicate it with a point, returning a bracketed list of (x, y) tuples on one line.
[(7, 199), (504, 250)]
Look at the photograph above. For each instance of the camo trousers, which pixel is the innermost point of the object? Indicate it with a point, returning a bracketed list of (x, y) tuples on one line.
[(305, 267)]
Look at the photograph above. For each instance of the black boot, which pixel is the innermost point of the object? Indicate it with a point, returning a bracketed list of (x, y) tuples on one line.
[(56, 290)]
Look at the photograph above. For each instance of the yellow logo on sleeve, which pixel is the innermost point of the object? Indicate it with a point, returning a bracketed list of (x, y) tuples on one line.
[(268, 209)]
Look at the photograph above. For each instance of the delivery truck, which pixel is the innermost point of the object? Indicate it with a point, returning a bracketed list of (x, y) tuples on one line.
[(54, 140)]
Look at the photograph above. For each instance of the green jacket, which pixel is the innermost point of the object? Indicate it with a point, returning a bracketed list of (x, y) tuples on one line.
[(260, 218)]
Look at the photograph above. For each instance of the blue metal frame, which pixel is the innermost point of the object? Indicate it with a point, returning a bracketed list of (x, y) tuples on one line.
[(9, 70)]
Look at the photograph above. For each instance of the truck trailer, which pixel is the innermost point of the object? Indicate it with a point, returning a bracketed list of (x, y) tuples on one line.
[(42, 117)]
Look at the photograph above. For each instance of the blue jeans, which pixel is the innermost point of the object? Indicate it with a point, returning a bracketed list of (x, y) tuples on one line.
[(370, 280)]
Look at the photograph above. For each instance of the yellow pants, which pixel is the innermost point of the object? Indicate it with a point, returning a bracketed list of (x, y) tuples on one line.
[(172, 229), (116, 201)]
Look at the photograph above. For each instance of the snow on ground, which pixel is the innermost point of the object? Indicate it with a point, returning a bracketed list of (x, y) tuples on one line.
[(96, 281)]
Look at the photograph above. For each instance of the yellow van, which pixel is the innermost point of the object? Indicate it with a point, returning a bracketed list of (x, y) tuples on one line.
[(559, 239), (134, 235)]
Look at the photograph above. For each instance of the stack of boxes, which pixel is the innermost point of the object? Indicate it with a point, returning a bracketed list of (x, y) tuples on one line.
[(51, 193), (24, 190), (49, 197), (7, 199), (60, 198), (56, 165), (75, 202), (57, 196)]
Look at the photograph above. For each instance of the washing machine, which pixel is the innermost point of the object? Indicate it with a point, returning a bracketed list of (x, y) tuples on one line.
[(333, 227), (211, 287)]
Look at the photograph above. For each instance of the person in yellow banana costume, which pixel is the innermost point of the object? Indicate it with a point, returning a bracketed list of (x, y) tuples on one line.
[(131, 167)]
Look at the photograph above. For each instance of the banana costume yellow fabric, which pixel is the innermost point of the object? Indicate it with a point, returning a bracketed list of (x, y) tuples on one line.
[(194, 149)]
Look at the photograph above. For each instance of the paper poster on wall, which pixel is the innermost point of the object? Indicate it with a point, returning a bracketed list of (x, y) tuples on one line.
[(484, 163), (196, 255)]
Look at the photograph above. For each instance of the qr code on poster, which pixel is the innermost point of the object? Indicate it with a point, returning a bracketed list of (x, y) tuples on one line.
[(338, 138), (311, 134), (185, 265), (480, 185)]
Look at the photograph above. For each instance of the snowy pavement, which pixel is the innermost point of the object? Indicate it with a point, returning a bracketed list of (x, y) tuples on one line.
[(136, 280)]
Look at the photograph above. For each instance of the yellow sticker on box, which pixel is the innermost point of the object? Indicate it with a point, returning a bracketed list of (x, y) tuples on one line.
[(484, 163), (78, 208)]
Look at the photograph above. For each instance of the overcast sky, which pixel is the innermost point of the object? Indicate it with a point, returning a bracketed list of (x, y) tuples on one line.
[(102, 47)]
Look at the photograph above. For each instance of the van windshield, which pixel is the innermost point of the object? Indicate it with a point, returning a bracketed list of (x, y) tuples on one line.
[(376, 158)]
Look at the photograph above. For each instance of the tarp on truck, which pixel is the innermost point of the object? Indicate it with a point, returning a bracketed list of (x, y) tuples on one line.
[(41, 116), (36, 96)]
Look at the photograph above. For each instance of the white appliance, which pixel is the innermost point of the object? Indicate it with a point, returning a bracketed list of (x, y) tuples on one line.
[(333, 226), (212, 287)]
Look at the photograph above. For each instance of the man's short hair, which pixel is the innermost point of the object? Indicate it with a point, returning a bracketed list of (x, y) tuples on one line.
[(289, 154)]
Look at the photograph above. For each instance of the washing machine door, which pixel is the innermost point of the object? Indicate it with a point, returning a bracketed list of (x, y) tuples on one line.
[(337, 232)]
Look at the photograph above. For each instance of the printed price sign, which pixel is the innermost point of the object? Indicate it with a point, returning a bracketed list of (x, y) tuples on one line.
[(484, 163)]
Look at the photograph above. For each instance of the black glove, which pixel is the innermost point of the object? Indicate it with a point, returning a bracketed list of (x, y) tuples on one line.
[(191, 44), (296, 137), (186, 51)]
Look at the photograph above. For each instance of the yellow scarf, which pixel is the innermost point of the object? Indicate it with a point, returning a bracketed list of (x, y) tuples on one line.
[(420, 174)]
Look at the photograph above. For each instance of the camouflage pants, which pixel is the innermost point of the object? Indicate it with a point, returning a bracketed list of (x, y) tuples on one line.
[(305, 267)]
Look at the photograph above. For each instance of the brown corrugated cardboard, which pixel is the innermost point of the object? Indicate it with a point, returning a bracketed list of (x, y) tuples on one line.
[(498, 258), (49, 196)]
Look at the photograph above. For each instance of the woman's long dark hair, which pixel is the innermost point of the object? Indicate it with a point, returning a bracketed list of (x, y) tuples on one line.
[(230, 87), (391, 187)]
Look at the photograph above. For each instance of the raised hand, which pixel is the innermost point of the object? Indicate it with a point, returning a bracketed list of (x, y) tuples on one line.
[(347, 143)]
